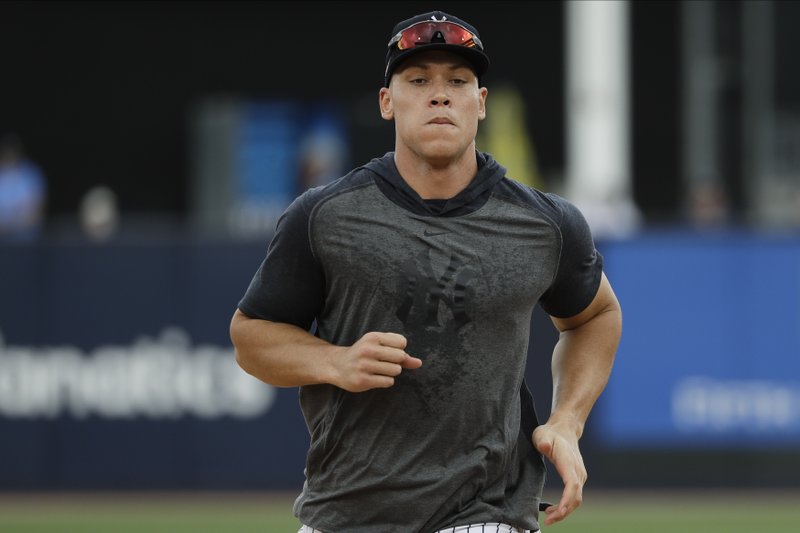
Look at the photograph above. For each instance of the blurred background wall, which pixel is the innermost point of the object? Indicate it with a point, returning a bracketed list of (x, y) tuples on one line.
[(148, 148)]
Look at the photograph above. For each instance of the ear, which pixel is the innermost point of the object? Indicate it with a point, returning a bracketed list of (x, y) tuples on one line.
[(482, 110), (385, 102)]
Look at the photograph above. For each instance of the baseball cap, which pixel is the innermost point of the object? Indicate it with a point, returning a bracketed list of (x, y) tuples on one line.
[(435, 31)]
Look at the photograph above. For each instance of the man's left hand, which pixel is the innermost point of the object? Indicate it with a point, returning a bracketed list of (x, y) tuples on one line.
[(559, 443)]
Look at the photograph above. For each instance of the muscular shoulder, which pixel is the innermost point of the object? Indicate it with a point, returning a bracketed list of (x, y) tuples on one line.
[(556, 209), (355, 179), (579, 264)]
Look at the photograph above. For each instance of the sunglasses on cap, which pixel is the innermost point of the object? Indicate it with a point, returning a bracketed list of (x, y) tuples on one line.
[(424, 33)]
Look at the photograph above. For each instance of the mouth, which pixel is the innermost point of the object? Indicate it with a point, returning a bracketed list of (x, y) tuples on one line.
[(441, 120)]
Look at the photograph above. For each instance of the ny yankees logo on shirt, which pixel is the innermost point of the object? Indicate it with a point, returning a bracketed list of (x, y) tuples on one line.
[(435, 301)]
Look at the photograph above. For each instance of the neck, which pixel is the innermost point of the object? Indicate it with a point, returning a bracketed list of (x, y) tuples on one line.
[(433, 179)]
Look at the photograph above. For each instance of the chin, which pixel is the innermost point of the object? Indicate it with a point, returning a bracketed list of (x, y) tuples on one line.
[(441, 145), (442, 155)]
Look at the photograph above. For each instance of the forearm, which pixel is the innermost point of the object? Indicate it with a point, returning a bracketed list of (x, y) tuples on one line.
[(280, 354), (582, 361)]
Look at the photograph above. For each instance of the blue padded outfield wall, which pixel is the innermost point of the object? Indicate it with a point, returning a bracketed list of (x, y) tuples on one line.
[(710, 354), (116, 370)]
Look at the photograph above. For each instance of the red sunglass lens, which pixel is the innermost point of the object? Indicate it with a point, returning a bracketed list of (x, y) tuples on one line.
[(423, 33), (454, 34)]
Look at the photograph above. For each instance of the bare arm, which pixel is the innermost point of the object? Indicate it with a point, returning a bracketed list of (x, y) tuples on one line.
[(285, 355), (582, 362)]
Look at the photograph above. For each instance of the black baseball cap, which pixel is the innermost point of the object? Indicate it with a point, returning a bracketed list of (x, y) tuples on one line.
[(435, 31)]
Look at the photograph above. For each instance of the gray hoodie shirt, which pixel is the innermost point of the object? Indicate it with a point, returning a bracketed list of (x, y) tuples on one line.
[(450, 443)]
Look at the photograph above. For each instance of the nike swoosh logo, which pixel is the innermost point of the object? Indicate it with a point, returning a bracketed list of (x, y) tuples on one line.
[(434, 233)]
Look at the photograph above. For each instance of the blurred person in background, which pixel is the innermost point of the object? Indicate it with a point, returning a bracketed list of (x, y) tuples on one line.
[(99, 213), (420, 271), (321, 154), (23, 192)]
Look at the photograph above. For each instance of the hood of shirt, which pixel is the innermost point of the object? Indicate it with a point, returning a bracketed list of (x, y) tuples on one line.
[(472, 198)]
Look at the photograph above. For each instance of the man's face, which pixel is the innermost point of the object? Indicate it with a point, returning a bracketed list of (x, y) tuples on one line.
[(436, 104)]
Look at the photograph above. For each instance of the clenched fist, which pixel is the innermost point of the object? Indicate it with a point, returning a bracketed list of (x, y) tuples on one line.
[(373, 362)]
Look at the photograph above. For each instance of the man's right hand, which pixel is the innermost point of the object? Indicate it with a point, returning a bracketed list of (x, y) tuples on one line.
[(373, 362)]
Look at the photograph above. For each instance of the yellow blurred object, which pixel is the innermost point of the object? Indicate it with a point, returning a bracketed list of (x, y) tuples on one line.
[(505, 135)]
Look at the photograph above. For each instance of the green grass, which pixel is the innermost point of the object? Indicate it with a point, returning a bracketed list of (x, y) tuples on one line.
[(689, 512), (147, 513), (602, 512)]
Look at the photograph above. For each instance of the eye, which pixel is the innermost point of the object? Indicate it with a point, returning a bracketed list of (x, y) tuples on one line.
[(417, 81)]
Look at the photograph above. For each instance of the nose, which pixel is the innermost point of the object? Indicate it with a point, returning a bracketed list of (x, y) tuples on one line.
[(440, 96)]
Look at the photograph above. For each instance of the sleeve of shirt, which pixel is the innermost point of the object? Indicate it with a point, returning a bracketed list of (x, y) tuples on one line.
[(580, 265), (289, 286)]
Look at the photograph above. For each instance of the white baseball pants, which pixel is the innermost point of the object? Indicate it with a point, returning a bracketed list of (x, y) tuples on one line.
[(489, 527)]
